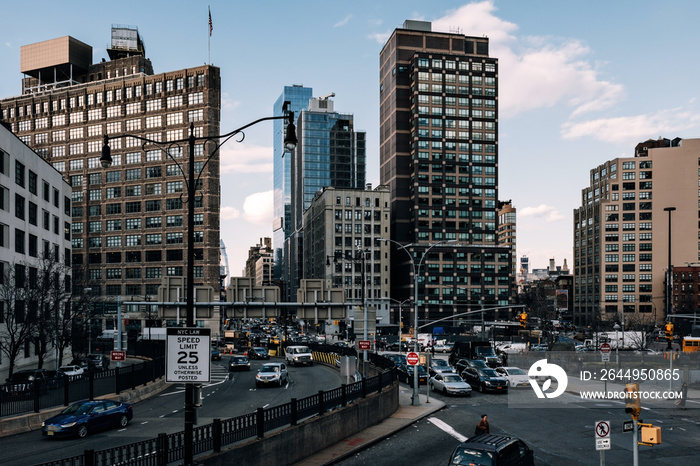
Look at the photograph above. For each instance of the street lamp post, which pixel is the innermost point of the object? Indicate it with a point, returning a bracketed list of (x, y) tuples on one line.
[(400, 303), (669, 288), (416, 272), (360, 257), (191, 182)]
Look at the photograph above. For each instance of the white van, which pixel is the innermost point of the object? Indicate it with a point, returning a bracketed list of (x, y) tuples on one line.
[(296, 355)]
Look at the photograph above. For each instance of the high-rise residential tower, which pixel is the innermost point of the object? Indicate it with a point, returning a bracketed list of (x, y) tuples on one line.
[(622, 248), (439, 156), (128, 222)]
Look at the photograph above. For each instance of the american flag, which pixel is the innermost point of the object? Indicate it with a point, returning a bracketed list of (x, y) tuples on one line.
[(211, 26)]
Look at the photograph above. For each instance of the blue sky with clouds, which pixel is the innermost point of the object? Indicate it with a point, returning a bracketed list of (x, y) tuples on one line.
[(580, 83)]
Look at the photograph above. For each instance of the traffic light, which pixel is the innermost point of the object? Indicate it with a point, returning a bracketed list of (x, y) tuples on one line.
[(668, 329), (634, 403), (522, 318)]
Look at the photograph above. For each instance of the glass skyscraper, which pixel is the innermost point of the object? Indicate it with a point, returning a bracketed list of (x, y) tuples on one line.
[(299, 97)]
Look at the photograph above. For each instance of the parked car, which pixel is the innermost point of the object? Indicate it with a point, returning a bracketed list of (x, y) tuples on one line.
[(539, 347), (258, 353), (215, 354), (485, 380), (450, 384), (71, 370), (405, 373), (23, 381), (492, 450), (84, 417), (238, 363), (272, 373), (516, 377), (440, 366)]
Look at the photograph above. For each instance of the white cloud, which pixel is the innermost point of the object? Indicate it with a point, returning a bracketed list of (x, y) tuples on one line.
[(343, 21), (229, 213), (632, 128), (549, 213), (380, 37), (258, 208), (535, 72), (248, 158)]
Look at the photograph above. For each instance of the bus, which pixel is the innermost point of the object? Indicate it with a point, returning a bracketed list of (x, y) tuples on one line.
[(690, 344)]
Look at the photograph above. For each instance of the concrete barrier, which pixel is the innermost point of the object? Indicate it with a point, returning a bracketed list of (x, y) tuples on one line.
[(293, 444)]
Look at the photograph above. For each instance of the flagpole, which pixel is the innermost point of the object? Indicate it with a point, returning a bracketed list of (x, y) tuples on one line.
[(209, 37)]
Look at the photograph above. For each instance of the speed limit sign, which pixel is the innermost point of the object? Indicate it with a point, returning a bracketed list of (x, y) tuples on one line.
[(188, 355)]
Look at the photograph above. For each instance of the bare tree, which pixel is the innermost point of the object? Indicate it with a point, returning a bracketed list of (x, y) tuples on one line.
[(19, 324), (49, 293)]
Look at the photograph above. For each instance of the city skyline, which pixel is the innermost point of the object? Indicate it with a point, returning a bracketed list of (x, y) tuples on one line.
[(600, 98)]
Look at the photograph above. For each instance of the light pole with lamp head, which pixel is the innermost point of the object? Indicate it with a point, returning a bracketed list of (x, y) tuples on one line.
[(192, 182), (360, 257), (669, 276), (400, 303), (416, 272)]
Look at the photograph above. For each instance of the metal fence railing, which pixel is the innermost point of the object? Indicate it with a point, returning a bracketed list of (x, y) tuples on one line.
[(169, 448), (62, 390)]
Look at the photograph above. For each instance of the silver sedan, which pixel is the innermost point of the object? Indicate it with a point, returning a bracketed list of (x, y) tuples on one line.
[(450, 384)]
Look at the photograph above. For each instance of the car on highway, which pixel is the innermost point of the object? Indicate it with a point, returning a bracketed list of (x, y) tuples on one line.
[(258, 353), (238, 363), (398, 358), (442, 348), (485, 380), (440, 366), (450, 384), (98, 361), (298, 355), (272, 373), (539, 347), (516, 377), (492, 450), (473, 363), (215, 354), (405, 373), (81, 418), (71, 370)]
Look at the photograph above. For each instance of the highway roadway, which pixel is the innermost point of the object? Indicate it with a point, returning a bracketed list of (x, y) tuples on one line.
[(558, 436), (228, 395)]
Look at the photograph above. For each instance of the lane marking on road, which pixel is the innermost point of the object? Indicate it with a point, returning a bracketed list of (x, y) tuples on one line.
[(442, 425)]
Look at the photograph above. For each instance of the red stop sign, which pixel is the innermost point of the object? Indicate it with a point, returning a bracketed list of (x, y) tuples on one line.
[(412, 359)]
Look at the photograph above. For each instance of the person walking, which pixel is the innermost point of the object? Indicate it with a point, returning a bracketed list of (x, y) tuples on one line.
[(684, 394), (483, 426)]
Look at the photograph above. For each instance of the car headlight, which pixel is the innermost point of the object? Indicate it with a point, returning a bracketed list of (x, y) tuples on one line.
[(70, 424)]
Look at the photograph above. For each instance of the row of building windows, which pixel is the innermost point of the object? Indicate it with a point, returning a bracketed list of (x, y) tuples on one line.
[(447, 64), (106, 96), (132, 207), (115, 127), (171, 221)]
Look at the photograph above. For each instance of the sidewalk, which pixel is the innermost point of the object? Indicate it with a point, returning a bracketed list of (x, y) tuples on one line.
[(406, 415)]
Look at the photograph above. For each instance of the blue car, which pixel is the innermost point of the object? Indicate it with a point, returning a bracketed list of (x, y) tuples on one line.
[(83, 417)]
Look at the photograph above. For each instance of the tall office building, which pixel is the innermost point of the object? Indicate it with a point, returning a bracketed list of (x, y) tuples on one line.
[(439, 156), (129, 221), (622, 248), (298, 97), (330, 152)]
